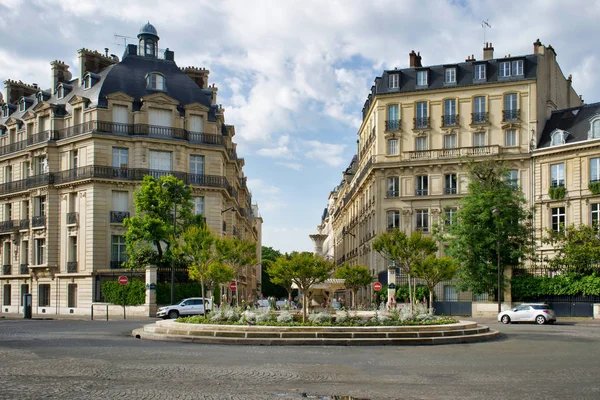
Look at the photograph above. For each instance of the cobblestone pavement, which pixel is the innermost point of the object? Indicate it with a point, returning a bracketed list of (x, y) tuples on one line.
[(99, 360)]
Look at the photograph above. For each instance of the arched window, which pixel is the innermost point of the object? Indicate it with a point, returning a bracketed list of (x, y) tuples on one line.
[(60, 92), (22, 105), (155, 81), (87, 81), (596, 129), (558, 137), (149, 47)]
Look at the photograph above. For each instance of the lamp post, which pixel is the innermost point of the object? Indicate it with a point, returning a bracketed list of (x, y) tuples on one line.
[(177, 193), (497, 213)]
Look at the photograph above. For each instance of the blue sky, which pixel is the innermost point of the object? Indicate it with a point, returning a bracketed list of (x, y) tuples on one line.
[(293, 75)]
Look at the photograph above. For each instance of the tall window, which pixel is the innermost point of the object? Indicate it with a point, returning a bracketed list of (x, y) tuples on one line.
[(450, 184), (558, 219), (160, 117), (7, 211), (39, 204), (197, 165), (392, 147), (161, 160), (422, 220), (510, 102), (421, 143), (479, 113), (422, 185), (512, 178), (196, 124), (155, 81), (421, 78), (8, 176), (421, 118), (479, 139), (595, 170), (72, 253), (504, 69), (510, 138), (118, 250), (393, 186), (24, 252), (517, 67), (7, 295), (120, 115), (44, 295), (450, 141), (25, 209), (393, 219), (40, 165), (6, 254), (450, 215), (450, 112), (74, 159), (450, 76), (394, 80), (198, 205), (557, 175), (393, 118), (595, 217), (72, 295), (25, 170), (120, 200), (595, 129), (24, 290), (480, 72), (40, 248), (120, 157)]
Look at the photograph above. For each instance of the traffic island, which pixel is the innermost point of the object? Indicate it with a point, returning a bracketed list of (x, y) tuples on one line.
[(461, 332)]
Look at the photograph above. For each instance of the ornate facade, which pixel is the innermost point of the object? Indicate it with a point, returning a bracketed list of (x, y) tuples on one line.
[(72, 156)]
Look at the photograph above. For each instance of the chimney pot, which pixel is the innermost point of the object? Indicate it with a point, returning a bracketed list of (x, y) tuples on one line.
[(488, 51)]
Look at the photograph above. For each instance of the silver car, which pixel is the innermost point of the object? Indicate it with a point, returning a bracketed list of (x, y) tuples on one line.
[(191, 306), (529, 312)]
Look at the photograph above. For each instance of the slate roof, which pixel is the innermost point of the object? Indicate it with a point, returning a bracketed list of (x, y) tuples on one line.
[(464, 76), (574, 120)]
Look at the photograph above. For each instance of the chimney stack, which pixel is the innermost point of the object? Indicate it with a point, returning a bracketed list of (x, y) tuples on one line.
[(536, 46), (412, 57), (60, 73), (488, 51)]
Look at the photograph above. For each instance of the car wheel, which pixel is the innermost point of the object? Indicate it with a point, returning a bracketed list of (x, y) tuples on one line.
[(173, 314), (505, 319), (540, 320)]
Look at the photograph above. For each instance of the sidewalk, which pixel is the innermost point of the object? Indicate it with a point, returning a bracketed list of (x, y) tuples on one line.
[(99, 317)]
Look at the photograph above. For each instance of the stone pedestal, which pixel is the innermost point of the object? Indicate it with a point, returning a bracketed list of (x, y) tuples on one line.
[(151, 277), (391, 286)]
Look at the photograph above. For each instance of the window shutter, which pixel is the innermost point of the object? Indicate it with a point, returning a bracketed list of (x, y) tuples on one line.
[(120, 114), (196, 124), (159, 117)]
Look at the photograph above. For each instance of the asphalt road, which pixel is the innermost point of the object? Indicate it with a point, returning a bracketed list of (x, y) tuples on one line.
[(99, 360)]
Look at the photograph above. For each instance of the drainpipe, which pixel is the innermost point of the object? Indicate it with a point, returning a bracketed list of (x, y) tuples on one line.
[(57, 296)]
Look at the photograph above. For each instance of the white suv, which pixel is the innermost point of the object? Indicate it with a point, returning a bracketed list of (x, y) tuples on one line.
[(191, 306)]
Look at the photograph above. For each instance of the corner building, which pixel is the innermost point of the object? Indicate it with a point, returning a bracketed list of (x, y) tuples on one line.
[(72, 156), (420, 124)]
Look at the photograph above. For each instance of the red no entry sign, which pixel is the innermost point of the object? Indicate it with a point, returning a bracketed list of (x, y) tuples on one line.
[(377, 286), (232, 286), (123, 280)]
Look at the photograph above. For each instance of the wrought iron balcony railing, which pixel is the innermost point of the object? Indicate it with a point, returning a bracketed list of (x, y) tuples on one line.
[(24, 269), (421, 192), (557, 184), (452, 153), (450, 120), (24, 224), (117, 217), (117, 264), (72, 218), (25, 184), (6, 269), (38, 222), (479, 118), (392, 125), (393, 193), (511, 115), (71, 267), (451, 190), (7, 226), (421, 123)]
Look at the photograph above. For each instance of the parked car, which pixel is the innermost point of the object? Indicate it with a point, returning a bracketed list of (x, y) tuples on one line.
[(191, 306), (529, 312), (283, 304), (263, 304)]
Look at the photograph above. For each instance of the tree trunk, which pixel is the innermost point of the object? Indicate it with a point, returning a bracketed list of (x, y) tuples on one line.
[(410, 296), (237, 291), (203, 297), (431, 300), (304, 305)]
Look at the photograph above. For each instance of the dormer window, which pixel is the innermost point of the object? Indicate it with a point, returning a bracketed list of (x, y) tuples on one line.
[(450, 76), (5, 111), (87, 81), (60, 92), (22, 105), (479, 72), (558, 137), (155, 81), (394, 81), (594, 132), (421, 78)]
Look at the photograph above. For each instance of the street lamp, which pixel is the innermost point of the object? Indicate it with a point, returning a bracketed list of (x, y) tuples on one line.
[(497, 213), (177, 195)]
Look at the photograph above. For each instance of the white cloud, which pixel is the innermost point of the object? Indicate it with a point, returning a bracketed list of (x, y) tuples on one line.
[(268, 196), (331, 154), (290, 165), (278, 152)]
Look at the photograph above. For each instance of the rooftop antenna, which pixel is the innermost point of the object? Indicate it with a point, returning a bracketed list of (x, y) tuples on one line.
[(485, 24), (124, 38)]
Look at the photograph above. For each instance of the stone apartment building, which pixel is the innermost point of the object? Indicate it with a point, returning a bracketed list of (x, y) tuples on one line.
[(72, 156), (420, 125)]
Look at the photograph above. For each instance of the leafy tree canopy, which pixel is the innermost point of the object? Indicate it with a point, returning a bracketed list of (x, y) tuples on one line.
[(355, 277), (577, 249)]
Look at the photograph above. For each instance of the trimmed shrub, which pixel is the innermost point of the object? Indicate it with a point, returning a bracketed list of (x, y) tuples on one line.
[(134, 293), (320, 318), (561, 285), (285, 317), (557, 193)]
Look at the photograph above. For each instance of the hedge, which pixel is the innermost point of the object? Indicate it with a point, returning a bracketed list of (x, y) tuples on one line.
[(182, 291), (569, 285), (134, 291)]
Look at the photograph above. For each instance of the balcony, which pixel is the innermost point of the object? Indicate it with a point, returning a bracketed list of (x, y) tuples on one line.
[(24, 269), (511, 115), (450, 120), (72, 218), (41, 137), (117, 217), (421, 192), (392, 125), (393, 193), (479, 118), (7, 226), (421, 123), (25, 184), (13, 147), (6, 269), (72, 267), (452, 153), (450, 190), (24, 224), (556, 184), (117, 264), (38, 222)]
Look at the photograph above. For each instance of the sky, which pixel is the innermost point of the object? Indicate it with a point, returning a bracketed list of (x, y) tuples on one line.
[(293, 75)]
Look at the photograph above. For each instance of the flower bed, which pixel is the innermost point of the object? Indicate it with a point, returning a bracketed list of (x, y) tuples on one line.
[(396, 317)]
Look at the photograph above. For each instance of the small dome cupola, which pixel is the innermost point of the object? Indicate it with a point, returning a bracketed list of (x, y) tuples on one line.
[(148, 45)]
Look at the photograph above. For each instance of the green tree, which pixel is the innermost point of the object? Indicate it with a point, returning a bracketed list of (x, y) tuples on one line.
[(269, 288), (472, 238), (308, 269), (355, 277), (405, 251), (433, 270), (577, 249), (149, 233), (200, 250), (239, 254), (216, 275), (280, 273)]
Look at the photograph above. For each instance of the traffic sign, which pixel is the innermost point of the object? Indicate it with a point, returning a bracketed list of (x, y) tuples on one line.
[(123, 280), (391, 286), (232, 286), (377, 286)]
